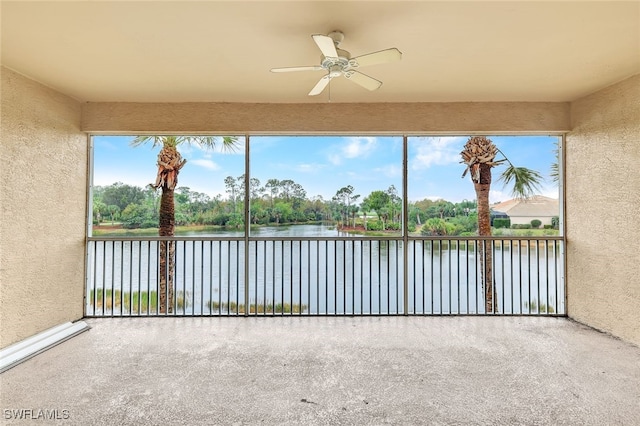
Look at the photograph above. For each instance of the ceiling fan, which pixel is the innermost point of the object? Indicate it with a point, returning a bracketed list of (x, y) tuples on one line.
[(337, 62)]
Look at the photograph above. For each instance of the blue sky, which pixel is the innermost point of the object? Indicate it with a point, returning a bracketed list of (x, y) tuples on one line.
[(324, 164)]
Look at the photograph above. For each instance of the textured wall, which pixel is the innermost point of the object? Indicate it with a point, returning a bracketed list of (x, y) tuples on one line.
[(43, 163), (380, 118), (603, 206)]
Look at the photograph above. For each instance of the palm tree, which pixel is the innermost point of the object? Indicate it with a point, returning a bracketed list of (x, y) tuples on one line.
[(555, 169), (169, 164), (479, 155)]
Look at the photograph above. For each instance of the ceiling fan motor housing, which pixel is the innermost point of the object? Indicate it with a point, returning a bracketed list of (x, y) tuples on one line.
[(336, 36), (339, 64)]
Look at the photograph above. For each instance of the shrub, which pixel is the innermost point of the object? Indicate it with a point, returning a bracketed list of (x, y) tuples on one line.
[(464, 224), (393, 226), (149, 223), (548, 227), (555, 222), (535, 223), (438, 227), (500, 222), (374, 225), (521, 226)]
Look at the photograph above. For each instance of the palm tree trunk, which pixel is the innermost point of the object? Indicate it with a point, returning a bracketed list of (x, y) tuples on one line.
[(167, 250), (485, 249)]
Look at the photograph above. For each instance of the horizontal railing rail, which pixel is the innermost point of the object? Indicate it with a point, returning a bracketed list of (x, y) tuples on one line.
[(272, 276)]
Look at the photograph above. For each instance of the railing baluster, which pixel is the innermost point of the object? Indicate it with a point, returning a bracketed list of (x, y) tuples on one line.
[(538, 277), (379, 277), (504, 306), (95, 275), (112, 253), (449, 274), (317, 278), (299, 273), (546, 259), (397, 267), (131, 278)]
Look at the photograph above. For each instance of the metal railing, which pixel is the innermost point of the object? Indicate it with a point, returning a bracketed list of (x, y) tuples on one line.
[(325, 276)]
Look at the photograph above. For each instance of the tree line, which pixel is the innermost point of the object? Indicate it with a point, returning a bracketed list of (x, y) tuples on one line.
[(279, 202)]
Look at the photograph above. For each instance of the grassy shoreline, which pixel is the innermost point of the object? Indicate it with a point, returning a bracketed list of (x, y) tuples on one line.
[(151, 232)]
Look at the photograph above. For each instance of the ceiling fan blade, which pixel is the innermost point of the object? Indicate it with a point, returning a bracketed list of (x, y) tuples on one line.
[(320, 85), (326, 45), (291, 69), (380, 57), (363, 80)]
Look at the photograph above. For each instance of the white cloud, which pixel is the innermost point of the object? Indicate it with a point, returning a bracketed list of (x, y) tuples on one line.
[(359, 147), (308, 168), (389, 170), (437, 151), (496, 196), (550, 191), (207, 164), (355, 147), (335, 159)]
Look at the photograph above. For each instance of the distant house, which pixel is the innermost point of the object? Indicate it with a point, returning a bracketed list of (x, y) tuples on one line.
[(524, 211)]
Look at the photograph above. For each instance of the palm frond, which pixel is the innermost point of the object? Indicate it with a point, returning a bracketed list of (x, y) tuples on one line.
[(229, 143), (526, 182), (143, 139), (555, 169), (555, 173)]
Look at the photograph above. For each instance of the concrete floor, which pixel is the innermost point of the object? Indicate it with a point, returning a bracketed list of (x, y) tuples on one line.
[(331, 371)]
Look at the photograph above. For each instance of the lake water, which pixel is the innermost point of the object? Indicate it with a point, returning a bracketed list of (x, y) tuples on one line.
[(325, 277)]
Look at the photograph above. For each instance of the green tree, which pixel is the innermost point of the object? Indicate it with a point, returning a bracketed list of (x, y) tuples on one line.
[(345, 198), (437, 227), (479, 156), (99, 210), (365, 207), (138, 216), (272, 187), (282, 211), (233, 189), (113, 211), (377, 201), (414, 213), (170, 162), (395, 204), (121, 195)]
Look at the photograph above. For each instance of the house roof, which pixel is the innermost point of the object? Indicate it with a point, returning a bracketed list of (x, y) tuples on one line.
[(536, 206), (222, 51)]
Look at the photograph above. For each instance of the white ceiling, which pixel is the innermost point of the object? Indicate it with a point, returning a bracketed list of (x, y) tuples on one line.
[(222, 51)]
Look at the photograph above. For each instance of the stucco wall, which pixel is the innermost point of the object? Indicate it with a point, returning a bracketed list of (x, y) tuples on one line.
[(43, 163), (602, 210), (375, 118)]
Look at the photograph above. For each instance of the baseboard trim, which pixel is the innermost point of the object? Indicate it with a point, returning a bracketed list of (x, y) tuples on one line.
[(32, 346)]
